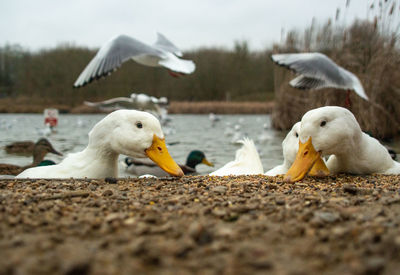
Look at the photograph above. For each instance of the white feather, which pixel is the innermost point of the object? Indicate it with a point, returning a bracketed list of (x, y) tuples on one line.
[(247, 162)]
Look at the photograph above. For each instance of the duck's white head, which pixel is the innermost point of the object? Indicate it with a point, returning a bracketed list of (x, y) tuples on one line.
[(332, 129), (323, 131), (136, 134)]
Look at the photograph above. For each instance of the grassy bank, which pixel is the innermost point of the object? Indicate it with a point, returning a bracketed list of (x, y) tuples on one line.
[(26, 105)]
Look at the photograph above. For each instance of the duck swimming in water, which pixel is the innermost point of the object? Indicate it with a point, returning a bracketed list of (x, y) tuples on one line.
[(141, 167), (129, 132), (40, 150)]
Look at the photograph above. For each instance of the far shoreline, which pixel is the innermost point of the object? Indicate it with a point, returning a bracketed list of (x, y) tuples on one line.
[(8, 105)]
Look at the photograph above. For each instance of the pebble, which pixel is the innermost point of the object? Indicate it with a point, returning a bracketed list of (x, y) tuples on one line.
[(198, 224), (220, 189)]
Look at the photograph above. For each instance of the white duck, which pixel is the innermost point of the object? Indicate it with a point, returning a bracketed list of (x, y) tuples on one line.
[(333, 130), (129, 132), (247, 162), (290, 146), (123, 48)]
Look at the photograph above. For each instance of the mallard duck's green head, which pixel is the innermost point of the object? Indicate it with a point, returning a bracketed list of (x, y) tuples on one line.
[(196, 157)]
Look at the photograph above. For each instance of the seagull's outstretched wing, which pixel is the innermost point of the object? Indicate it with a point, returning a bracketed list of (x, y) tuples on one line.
[(113, 103), (166, 45), (176, 64), (317, 71), (111, 55)]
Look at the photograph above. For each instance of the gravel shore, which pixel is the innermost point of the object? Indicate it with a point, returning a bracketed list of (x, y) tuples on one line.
[(201, 225)]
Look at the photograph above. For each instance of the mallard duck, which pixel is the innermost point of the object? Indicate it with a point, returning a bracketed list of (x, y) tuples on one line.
[(20, 147), (123, 48), (141, 167), (129, 132), (290, 146), (317, 71), (247, 162), (40, 149), (334, 131)]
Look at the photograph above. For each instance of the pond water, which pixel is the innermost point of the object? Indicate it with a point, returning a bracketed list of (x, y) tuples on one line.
[(184, 133)]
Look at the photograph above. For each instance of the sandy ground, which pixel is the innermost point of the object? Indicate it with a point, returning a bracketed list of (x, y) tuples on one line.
[(201, 225)]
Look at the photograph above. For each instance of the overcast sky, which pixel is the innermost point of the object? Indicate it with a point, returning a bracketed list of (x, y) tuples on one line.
[(190, 24)]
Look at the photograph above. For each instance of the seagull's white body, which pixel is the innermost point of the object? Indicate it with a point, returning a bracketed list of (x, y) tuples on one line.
[(317, 71), (247, 162), (340, 136), (290, 146), (113, 135), (123, 48)]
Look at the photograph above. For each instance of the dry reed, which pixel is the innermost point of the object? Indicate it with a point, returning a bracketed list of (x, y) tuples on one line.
[(367, 49)]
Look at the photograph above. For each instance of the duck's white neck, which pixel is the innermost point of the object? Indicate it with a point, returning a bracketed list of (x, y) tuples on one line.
[(286, 164), (98, 158), (104, 162)]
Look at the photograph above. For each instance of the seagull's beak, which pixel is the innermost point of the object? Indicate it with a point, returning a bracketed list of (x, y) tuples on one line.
[(158, 153), (206, 162), (305, 159)]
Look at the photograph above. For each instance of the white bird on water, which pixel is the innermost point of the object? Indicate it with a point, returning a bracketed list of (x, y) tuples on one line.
[(333, 130), (247, 162), (129, 132), (123, 48), (317, 71)]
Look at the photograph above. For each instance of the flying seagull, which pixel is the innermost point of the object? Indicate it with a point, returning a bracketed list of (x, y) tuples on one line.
[(317, 71), (141, 102), (123, 48)]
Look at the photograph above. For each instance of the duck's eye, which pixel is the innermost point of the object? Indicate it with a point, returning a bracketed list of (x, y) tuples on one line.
[(139, 125), (323, 123), (297, 135)]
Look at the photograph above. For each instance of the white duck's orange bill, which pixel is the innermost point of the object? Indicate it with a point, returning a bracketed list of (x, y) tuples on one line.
[(319, 169), (305, 159), (158, 153)]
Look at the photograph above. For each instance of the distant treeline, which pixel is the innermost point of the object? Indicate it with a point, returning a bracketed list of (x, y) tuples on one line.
[(221, 75)]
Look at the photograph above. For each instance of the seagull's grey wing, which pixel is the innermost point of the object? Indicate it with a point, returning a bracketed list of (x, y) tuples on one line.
[(313, 65), (166, 45), (317, 71), (113, 103), (111, 55), (307, 83)]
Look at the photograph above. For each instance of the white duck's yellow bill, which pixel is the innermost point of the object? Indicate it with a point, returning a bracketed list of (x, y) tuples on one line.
[(158, 153), (319, 169), (206, 162), (305, 159)]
